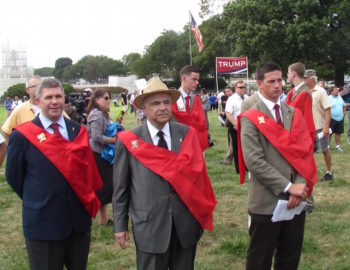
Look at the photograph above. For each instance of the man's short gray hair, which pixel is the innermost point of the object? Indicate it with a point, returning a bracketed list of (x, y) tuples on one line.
[(47, 83), (35, 77)]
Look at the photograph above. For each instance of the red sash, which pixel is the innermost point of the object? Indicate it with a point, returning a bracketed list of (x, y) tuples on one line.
[(295, 145), (303, 102), (186, 172), (74, 159), (195, 118)]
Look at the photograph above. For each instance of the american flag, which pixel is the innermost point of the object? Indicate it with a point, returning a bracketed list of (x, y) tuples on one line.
[(197, 33)]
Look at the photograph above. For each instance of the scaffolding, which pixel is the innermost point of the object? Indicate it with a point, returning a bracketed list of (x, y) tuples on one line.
[(14, 67)]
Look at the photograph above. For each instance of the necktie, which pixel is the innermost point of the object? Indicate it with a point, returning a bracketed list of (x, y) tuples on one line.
[(55, 127), (242, 97), (278, 115), (162, 142), (188, 104)]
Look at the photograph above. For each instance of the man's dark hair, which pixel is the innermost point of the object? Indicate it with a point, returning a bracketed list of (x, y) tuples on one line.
[(266, 68), (298, 68), (187, 70)]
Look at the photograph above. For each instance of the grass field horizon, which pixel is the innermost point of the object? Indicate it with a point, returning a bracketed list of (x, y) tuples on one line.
[(327, 228)]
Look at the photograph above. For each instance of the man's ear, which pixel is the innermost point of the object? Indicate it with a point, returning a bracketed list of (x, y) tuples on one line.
[(37, 101), (258, 83)]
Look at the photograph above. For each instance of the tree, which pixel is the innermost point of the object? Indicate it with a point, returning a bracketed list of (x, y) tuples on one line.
[(60, 65), (314, 32), (44, 72), (15, 90), (164, 56), (338, 15), (68, 88), (130, 59)]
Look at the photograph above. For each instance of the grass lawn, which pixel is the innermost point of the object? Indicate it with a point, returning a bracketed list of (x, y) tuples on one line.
[(327, 230)]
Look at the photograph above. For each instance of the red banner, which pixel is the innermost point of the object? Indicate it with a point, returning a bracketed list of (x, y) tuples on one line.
[(231, 65)]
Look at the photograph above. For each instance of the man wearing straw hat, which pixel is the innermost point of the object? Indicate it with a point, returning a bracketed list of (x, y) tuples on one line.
[(161, 182)]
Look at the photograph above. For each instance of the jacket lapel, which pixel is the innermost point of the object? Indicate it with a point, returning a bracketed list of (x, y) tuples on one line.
[(144, 134), (37, 121), (71, 130), (287, 115), (176, 138)]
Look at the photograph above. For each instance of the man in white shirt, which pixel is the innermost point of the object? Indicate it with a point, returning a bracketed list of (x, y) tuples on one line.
[(232, 110)]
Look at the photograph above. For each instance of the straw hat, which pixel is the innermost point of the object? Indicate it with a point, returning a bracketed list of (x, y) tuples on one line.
[(156, 86)]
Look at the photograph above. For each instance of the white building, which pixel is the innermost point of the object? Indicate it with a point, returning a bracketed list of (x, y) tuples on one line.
[(14, 68)]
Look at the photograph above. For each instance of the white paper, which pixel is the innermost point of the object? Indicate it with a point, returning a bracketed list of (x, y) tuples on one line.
[(282, 212), (221, 120)]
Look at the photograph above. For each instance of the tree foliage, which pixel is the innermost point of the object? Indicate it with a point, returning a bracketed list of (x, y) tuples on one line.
[(15, 90), (68, 88), (91, 68), (314, 32), (60, 65), (165, 56), (44, 72)]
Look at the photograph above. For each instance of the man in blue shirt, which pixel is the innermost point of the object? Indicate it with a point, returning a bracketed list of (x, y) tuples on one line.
[(8, 105), (338, 111)]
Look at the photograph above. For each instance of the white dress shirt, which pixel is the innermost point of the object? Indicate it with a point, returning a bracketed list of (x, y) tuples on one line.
[(298, 86), (61, 123), (270, 105), (233, 105), (153, 131)]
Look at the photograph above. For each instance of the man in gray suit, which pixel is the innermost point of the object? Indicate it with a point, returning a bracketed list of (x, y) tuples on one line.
[(152, 185), (274, 173)]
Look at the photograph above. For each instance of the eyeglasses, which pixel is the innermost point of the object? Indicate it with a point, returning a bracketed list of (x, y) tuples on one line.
[(241, 87), (107, 98)]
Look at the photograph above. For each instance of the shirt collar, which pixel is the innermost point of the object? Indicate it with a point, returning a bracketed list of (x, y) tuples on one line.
[(153, 130), (298, 86), (269, 103), (183, 93), (47, 122)]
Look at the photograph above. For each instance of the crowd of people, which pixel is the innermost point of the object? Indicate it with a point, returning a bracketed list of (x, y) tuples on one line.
[(155, 174)]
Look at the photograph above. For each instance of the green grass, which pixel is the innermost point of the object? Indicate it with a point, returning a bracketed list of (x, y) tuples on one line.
[(327, 230)]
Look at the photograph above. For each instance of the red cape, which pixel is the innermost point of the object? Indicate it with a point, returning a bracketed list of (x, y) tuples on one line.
[(185, 171), (295, 145), (195, 118), (303, 102), (74, 159)]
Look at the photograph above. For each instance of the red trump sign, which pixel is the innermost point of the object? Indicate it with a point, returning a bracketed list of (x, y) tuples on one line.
[(231, 65)]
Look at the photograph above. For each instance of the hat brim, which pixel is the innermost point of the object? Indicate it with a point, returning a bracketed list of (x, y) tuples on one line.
[(174, 95)]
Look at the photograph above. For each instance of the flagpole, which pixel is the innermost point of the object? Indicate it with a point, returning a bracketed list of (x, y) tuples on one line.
[(189, 35)]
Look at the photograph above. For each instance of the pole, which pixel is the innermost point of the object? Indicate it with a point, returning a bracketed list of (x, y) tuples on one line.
[(189, 35), (216, 75), (247, 76)]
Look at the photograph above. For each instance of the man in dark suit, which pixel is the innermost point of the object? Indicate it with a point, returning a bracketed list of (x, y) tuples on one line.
[(277, 172), (51, 168), (157, 186)]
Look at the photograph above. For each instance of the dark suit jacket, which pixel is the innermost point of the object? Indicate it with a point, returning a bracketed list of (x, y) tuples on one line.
[(270, 172), (149, 200), (51, 210)]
